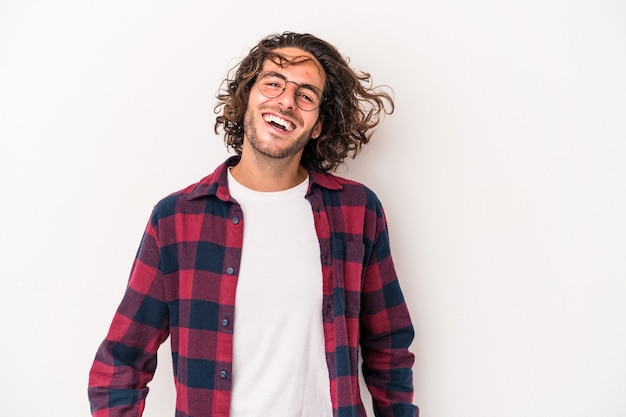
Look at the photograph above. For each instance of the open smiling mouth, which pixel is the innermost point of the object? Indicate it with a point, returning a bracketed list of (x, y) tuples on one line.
[(279, 123)]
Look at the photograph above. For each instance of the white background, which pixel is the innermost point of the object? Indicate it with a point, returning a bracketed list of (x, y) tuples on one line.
[(502, 172)]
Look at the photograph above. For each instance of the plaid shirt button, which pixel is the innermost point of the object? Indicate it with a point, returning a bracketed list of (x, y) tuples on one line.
[(223, 374), (230, 270)]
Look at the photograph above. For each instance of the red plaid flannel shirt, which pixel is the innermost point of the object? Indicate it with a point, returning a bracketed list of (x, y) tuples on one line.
[(183, 283)]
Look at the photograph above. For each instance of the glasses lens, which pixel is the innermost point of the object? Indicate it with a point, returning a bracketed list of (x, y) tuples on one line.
[(272, 85), (307, 98)]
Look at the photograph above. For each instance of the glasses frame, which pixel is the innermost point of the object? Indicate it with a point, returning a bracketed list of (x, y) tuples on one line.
[(279, 75)]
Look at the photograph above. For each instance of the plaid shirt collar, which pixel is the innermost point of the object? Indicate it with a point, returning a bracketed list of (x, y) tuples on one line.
[(217, 183)]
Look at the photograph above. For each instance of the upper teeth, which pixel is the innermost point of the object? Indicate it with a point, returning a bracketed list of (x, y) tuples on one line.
[(275, 119)]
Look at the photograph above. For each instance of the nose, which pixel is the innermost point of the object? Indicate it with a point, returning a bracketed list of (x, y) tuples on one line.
[(288, 96)]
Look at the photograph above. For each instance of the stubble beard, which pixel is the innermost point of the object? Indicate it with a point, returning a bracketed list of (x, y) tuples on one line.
[(271, 148)]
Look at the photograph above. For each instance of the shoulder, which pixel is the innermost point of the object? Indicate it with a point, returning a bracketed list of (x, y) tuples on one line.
[(171, 204), (193, 198), (343, 191)]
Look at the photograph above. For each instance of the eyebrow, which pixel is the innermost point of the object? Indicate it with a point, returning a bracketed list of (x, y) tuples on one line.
[(305, 85)]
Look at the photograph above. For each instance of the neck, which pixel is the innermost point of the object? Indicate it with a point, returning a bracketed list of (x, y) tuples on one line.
[(268, 174)]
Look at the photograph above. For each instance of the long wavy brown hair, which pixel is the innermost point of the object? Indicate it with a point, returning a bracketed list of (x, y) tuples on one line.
[(351, 109)]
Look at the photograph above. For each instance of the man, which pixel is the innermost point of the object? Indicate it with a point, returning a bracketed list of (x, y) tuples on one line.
[(271, 273)]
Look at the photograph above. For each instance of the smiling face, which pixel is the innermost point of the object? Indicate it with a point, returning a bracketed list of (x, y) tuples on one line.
[(277, 128)]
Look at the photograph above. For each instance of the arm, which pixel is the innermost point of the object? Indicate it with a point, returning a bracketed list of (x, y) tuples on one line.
[(386, 333), (126, 360)]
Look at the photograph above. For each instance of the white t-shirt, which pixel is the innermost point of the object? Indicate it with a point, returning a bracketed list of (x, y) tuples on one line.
[(279, 363)]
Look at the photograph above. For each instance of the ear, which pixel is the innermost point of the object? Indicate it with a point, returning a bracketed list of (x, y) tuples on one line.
[(317, 129)]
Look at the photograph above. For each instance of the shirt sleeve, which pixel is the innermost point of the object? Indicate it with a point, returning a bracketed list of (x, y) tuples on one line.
[(126, 360), (386, 332)]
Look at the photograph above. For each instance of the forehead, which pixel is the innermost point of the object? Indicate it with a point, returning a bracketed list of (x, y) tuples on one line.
[(296, 64)]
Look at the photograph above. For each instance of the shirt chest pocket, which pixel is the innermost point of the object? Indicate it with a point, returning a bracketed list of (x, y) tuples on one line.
[(347, 275)]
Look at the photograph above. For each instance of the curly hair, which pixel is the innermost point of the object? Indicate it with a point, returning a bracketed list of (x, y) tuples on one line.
[(351, 109)]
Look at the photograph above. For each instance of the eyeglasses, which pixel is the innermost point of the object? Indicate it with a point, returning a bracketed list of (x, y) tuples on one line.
[(272, 84)]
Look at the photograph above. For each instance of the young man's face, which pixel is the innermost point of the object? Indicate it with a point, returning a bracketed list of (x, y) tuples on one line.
[(278, 127)]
